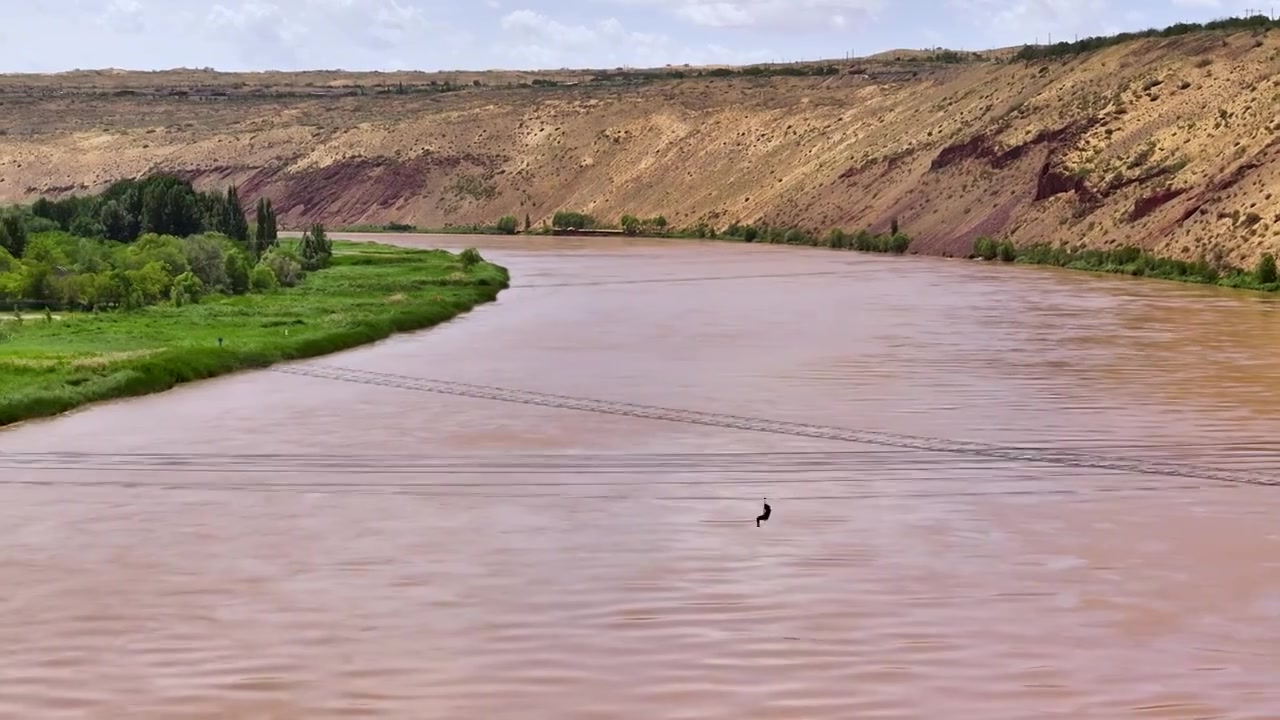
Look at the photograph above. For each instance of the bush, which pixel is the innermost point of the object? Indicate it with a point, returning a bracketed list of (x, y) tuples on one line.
[(263, 279), (470, 258), (1266, 270), (237, 272), (187, 288), (565, 219), (985, 248), (508, 224), (285, 265), (316, 248)]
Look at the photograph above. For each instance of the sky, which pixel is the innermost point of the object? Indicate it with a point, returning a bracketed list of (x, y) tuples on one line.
[(247, 35)]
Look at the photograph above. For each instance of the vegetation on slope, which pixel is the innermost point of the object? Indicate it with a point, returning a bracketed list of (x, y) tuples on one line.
[(1091, 44), (1134, 261), (128, 318), (1166, 143)]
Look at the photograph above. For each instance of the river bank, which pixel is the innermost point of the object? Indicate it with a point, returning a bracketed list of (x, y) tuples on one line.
[(1124, 260), (49, 365)]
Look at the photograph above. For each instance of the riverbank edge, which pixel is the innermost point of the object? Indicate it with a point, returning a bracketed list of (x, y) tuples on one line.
[(185, 365), (1143, 265)]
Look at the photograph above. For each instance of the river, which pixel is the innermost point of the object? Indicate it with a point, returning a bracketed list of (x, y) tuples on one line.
[(291, 546)]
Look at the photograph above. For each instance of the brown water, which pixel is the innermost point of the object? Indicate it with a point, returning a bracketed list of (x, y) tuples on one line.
[(417, 555)]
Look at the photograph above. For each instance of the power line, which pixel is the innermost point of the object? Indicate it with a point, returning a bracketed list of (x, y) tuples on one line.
[(1044, 456), (427, 491), (883, 462), (645, 281)]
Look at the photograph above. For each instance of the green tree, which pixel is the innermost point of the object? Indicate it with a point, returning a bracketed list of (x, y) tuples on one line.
[(152, 282), (187, 289), (1266, 271), (567, 219), (508, 224), (263, 279), (261, 233), (235, 226), (116, 222), (265, 235), (13, 236), (631, 224), (316, 248), (237, 272), (285, 265), (87, 226), (273, 233), (206, 256)]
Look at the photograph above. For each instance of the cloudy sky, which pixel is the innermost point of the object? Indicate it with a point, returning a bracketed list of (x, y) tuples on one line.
[(54, 35)]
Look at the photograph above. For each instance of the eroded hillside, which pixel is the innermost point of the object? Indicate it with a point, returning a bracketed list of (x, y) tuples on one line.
[(1169, 144)]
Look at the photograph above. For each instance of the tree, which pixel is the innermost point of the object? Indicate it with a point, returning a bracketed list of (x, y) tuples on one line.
[(260, 228), (263, 279), (116, 222), (527, 223), (284, 265), (265, 235), (272, 231), (187, 288), (87, 226), (234, 224), (206, 257), (237, 272), (13, 235), (631, 224), (316, 248), (508, 224), (1267, 269)]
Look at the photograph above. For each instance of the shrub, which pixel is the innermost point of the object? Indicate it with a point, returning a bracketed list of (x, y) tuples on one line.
[(1266, 270), (470, 258), (187, 289), (263, 279), (565, 219), (285, 265), (237, 272)]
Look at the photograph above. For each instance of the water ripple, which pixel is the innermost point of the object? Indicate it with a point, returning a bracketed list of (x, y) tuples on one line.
[(593, 570)]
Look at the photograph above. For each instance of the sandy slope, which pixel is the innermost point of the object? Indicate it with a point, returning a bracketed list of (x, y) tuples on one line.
[(1165, 143)]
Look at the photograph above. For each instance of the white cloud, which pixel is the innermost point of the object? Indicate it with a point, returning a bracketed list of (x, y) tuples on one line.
[(1041, 17), (536, 40), (458, 34), (784, 15)]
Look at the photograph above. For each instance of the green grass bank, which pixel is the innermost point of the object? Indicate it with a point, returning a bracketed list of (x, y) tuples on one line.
[(52, 362)]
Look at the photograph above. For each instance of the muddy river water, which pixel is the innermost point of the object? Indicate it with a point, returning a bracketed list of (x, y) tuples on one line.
[(273, 545)]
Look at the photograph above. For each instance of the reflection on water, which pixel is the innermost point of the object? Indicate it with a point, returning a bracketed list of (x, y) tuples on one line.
[(414, 555)]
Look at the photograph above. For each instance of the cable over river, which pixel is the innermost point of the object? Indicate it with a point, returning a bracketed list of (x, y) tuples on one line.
[(997, 493)]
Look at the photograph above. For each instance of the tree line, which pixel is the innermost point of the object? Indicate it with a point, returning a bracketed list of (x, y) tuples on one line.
[(148, 241), (160, 205)]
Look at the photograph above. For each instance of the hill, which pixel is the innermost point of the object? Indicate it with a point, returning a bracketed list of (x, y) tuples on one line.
[(1167, 142)]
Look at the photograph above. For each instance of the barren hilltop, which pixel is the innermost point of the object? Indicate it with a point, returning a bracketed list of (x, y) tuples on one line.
[(1166, 141)]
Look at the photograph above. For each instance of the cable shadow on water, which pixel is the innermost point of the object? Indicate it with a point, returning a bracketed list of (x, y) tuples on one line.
[(1060, 457)]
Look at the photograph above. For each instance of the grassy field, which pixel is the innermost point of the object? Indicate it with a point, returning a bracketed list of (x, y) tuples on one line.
[(51, 365)]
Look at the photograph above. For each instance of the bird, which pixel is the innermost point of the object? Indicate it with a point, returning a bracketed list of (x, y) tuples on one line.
[(765, 514)]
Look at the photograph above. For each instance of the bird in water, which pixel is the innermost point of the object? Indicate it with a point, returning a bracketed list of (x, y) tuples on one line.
[(765, 514)]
